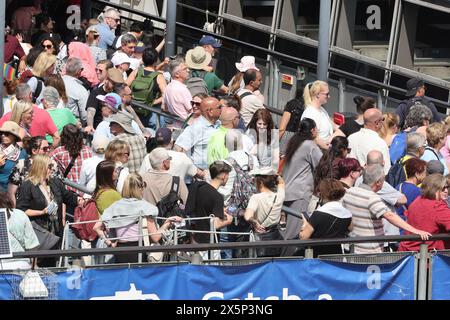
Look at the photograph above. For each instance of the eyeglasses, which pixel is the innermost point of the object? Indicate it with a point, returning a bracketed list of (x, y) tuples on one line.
[(168, 159), (195, 104), (99, 70), (96, 36), (48, 46), (126, 154)]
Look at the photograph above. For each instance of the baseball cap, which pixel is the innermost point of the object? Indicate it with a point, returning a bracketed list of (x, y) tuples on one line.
[(205, 40), (120, 58), (115, 75), (140, 47), (412, 85), (163, 135), (112, 100)]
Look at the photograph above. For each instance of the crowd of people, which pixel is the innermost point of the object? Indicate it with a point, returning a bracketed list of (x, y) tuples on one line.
[(214, 150)]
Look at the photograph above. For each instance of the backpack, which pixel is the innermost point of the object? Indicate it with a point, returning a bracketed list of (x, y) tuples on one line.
[(398, 146), (143, 90), (397, 173), (196, 83), (169, 205), (243, 186), (87, 212)]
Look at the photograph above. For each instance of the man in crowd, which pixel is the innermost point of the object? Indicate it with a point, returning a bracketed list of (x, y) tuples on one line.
[(194, 139), (107, 28), (368, 209), (177, 98), (76, 92), (211, 45), (367, 139), (250, 102)]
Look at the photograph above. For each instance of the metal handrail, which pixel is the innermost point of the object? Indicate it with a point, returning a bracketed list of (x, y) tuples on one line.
[(308, 63), (227, 245)]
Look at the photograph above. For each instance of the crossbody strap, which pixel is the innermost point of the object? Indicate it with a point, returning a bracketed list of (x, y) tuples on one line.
[(70, 166), (270, 211)]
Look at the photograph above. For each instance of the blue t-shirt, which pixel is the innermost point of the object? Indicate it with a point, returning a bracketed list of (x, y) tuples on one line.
[(411, 191)]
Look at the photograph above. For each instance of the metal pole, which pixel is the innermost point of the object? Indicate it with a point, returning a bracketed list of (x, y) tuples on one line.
[(324, 32), (171, 27), (422, 284), (2, 40)]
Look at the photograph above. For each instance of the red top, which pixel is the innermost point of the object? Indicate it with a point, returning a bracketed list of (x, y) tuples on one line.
[(41, 125), (12, 47), (427, 215)]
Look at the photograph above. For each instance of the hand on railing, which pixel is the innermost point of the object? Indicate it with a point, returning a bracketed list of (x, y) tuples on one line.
[(423, 234)]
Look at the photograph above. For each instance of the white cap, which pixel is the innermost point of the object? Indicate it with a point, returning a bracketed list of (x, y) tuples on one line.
[(263, 171), (120, 58)]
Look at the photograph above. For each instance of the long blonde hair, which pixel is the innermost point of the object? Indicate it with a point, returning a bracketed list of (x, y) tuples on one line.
[(19, 108), (236, 82), (390, 120), (313, 89), (39, 168), (132, 186), (43, 62)]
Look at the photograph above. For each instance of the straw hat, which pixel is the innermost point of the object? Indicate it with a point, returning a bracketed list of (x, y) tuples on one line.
[(198, 58)]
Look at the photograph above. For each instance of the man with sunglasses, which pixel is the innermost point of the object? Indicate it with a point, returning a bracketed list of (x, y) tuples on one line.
[(107, 27), (416, 95)]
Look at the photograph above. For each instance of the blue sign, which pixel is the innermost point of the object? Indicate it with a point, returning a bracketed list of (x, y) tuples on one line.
[(440, 282), (276, 280)]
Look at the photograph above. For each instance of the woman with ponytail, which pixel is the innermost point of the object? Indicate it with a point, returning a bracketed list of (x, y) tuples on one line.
[(354, 125), (302, 157), (315, 95)]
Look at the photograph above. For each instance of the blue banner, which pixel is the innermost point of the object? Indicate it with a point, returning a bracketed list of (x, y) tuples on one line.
[(276, 280), (440, 281)]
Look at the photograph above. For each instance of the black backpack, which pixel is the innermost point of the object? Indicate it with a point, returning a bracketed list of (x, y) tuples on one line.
[(169, 205), (397, 173)]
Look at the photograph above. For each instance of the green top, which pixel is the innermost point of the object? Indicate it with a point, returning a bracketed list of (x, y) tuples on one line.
[(213, 82), (217, 150), (106, 199), (61, 117)]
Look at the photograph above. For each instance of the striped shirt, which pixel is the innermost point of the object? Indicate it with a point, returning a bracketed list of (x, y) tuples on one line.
[(367, 210)]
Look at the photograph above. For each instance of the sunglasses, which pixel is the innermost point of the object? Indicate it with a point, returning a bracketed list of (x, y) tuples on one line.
[(445, 188), (46, 149), (48, 46), (96, 36), (98, 70), (195, 104)]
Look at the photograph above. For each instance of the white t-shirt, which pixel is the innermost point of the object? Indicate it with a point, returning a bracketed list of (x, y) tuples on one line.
[(322, 120), (266, 207)]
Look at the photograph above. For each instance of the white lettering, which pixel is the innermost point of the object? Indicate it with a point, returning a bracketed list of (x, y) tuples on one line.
[(374, 279), (74, 21), (210, 295), (374, 21)]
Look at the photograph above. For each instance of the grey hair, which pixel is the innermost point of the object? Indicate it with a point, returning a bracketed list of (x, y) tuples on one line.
[(23, 91), (51, 96), (414, 141), (416, 115), (373, 174), (174, 67), (374, 157), (128, 38), (111, 13), (73, 65)]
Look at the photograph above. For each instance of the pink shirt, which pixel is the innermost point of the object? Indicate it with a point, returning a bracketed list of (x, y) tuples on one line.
[(177, 99), (41, 125)]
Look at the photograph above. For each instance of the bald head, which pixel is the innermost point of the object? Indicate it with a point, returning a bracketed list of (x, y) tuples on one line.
[(211, 109), (373, 119), (375, 157), (227, 116)]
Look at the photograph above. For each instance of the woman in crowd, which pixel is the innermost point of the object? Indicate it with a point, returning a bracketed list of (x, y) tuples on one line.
[(92, 40), (49, 45), (22, 114), (41, 196), (123, 216), (349, 171), (260, 129), (264, 209), (105, 193), (21, 235), (316, 94), (43, 67), (354, 125), (237, 82), (57, 82), (416, 171), (331, 220), (302, 157), (291, 118), (10, 151), (436, 134), (119, 152), (71, 154), (430, 213), (33, 146), (196, 111), (390, 127), (9, 95)]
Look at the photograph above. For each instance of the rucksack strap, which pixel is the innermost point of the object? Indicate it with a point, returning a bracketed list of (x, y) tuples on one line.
[(175, 184), (245, 94), (38, 90), (432, 150)]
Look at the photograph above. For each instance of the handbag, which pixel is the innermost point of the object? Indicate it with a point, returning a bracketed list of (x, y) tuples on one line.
[(47, 240)]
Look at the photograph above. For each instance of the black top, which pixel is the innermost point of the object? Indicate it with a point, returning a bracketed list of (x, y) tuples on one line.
[(93, 102), (31, 197), (404, 107), (328, 226), (350, 127), (203, 201), (295, 108)]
